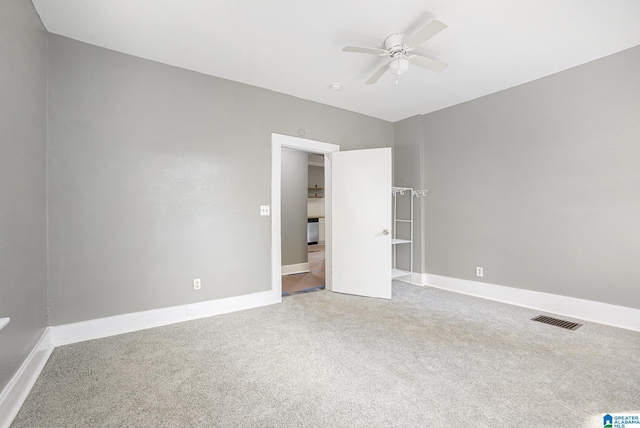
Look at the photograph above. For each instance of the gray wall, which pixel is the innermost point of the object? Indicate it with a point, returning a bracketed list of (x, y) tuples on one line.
[(540, 184), (293, 203), (315, 176), (408, 172), (156, 175), (23, 262)]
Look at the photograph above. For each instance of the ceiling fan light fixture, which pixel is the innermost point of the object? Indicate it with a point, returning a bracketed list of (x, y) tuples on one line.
[(399, 65)]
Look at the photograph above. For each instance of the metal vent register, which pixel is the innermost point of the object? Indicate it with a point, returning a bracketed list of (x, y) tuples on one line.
[(557, 322)]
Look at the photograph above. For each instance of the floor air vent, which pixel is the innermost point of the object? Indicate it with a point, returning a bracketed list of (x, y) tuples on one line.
[(558, 323)]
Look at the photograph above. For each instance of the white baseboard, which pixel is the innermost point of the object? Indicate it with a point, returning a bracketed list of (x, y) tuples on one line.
[(296, 268), (16, 391), (415, 278), (119, 324), (601, 313)]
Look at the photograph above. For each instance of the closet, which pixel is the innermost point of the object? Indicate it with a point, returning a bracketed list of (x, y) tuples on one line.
[(402, 233)]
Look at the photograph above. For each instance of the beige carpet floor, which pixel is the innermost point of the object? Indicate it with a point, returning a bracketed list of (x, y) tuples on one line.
[(426, 358)]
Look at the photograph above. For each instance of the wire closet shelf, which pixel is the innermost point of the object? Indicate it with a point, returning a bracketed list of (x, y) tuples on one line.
[(402, 234)]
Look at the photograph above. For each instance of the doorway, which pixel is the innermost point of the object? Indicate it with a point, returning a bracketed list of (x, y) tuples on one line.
[(284, 141), (357, 222), (302, 204)]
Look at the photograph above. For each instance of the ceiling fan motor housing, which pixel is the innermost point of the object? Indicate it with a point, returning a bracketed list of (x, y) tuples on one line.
[(395, 44), (398, 51)]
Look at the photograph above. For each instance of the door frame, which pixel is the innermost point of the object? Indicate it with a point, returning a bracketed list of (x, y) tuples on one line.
[(278, 141)]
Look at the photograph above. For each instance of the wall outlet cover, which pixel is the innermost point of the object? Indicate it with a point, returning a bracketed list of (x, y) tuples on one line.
[(265, 210), (197, 284), (479, 271)]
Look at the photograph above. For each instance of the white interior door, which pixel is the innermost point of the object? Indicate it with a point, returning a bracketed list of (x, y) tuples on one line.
[(361, 222)]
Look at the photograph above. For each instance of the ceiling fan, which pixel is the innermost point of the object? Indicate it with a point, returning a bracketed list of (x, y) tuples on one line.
[(398, 48)]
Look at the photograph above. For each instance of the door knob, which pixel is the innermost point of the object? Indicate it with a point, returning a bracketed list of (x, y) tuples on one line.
[(386, 231)]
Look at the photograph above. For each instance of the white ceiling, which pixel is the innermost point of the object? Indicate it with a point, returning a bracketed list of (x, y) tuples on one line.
[(294, 46)]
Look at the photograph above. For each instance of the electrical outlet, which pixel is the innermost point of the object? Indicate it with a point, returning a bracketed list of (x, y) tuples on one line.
[(197, 284), (265, 210), (479, 271)]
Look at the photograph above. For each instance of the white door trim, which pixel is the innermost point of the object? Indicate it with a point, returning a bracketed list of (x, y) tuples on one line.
[(278, 141)]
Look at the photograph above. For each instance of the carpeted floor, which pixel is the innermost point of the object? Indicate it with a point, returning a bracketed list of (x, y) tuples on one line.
[(426, 358)]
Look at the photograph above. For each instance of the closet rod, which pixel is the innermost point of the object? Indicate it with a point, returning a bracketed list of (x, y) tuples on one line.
[(400, 190)]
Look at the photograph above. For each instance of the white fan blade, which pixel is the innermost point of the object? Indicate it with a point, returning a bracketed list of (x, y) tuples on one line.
[(377, 75), (428, 63), (427, 32), (357, 49)]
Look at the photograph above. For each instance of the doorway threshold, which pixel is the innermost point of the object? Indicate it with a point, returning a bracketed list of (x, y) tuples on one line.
[(304, 290)]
